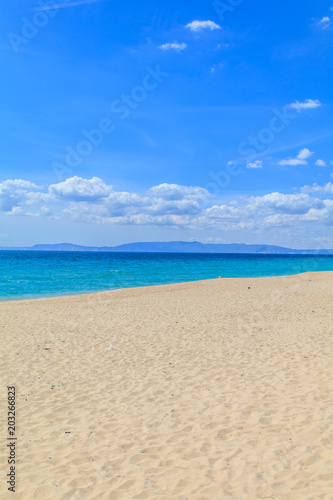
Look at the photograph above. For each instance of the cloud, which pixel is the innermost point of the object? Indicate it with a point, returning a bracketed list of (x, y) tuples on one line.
[(224, 212), (307, 104), (286, 203), (321, 163), (173, 46), (301, 158), (254, 164), (65, 5), (93, 201), (324, 215), (219, 65), (304, 154), (292, 162), (18, 184), (16, 192), (324, 22), (177, 192), (78, 189), (269, 211), (202, 25), (315, 188)]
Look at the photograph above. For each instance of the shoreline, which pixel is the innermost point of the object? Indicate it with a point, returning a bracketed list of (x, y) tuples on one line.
[(49, 297)]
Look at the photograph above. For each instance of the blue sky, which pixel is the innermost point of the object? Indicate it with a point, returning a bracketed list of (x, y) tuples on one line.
[(143, 121)]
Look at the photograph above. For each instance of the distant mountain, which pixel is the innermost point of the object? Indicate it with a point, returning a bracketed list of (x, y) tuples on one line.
[(176, 247)]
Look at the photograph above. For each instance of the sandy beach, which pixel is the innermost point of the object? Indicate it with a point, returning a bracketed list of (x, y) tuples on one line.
[(218, 389)]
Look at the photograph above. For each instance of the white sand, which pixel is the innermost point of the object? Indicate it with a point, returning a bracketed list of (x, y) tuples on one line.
[(212, 390)]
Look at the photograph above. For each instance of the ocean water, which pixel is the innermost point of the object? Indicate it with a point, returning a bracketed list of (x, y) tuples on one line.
[(31, 274)]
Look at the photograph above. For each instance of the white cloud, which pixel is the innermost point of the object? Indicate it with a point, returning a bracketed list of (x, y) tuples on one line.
[(173, 205), (286, 203), (78, 189), (321, 163), (292, 162), (177, 192), (324, 22), (259, 213), (315, 188), (324, 216), (254, 164), (16, 192), (301, 158), (307, 104), (173, 46), (223, 212), (304, 154), (216, 66), (18, 184), (163, 207), (203, 25)]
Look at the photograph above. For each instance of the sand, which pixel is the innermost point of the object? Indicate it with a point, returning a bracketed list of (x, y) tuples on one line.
[(218, 389)]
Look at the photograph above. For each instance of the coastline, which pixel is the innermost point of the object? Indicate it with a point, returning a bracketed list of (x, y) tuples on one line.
[(55, 274), (209, 389), (88, 293)]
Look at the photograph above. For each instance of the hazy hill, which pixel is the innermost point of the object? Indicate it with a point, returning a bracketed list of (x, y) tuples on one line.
[(176, 247)]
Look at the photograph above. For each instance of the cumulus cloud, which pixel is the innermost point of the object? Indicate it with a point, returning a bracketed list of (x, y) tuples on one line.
[(224, 212), (321, 163), (265, 212), (301, 158), (202, 25), (286, 203), (173, 46), (304, 154), (307, 104), (76, 188), (94, 201), (324, 216), (177, 192), (18, 184), (14, 193), (254, 164), (316, 188)]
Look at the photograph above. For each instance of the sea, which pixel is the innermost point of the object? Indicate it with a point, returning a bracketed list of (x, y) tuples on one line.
[(37, 274)]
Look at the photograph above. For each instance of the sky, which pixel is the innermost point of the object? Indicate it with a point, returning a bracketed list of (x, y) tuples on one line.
[(160, 121)]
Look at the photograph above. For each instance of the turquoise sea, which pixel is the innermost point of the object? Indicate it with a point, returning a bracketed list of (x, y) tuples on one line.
[(32, 274)]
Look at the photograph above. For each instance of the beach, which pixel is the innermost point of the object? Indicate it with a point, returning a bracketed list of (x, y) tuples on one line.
[(214, 389)]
